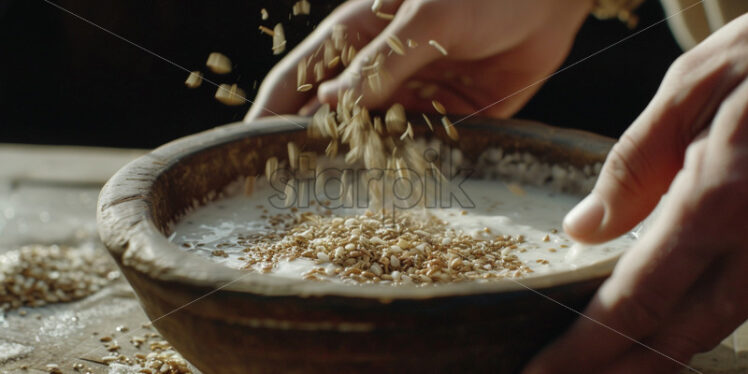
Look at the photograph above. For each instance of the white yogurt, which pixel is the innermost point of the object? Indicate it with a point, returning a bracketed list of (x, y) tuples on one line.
[(536, 214)]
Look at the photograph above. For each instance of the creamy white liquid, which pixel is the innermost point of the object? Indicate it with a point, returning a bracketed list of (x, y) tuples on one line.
[(535, 214)]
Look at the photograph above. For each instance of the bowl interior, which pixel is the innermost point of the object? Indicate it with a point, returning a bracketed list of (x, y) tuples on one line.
[(141, 203)]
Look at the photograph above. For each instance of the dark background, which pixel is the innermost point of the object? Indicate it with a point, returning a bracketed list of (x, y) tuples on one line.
[(63, 81)]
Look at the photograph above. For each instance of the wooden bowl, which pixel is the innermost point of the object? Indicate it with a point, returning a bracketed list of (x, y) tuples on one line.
[(226, 321)]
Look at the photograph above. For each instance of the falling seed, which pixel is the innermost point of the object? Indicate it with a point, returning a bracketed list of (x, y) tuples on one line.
[(439, 107), (412, 43), (293, 155), (334, 62), (408, 132), (319, 71), (218, 63), (376, 6), (395, 119), (194, 80), (396, 45), (386, 16), (351, 54), (438, 47), (271, 166), (375, 83), (264, 14), (304, 87), (301, 73), (230, 95), (450, 128), (428, 121), (266, 30), (279, 39)]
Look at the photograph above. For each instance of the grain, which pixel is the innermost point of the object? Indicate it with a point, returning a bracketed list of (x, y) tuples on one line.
[(412, 43), (301, 7), (376, 6), (438, 47), (37, 275), (301, 69), (218, 63), (279, 39), (293, 155), (450, 128), (378, 247), (304, 87), (396, 45), (271, 167), (319, 71), (386, 16), (439, 107), (428, 121), (395, 119), (194, 80), (266, 30), (230, 95), (264, 14)]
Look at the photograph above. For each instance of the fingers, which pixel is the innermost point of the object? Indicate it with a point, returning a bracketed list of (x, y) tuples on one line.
[(647, 284), (379, 69), (711, 312), (278, 93), (641, 166)]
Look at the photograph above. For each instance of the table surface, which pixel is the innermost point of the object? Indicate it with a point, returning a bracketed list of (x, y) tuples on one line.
[(48, 196)]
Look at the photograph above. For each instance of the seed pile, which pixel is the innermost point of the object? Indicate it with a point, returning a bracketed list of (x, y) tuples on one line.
[(38, 275), (409, 247)]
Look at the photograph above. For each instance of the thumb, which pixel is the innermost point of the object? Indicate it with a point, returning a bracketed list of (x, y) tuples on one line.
[(636, 173), (387, 61)]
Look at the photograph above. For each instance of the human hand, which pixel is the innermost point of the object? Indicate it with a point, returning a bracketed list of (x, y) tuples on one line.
[(684, 286), (497, 50)]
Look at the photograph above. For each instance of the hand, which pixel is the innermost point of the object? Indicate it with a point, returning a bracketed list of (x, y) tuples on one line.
[(497, 49), (684, 286)]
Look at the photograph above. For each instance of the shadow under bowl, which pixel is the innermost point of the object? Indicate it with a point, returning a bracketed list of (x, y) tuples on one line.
[(227, 321)]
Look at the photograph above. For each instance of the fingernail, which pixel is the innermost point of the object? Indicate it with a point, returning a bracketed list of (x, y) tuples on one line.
[(586, 217)]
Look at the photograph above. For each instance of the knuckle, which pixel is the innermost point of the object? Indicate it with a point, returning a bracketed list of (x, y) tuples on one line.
[(622, 166), (642, 310)]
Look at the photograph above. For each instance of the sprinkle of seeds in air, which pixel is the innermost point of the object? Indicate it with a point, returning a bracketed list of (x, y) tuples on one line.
[(218, 63), (231, 95), (194, 80), (439, 107), (438, 47)]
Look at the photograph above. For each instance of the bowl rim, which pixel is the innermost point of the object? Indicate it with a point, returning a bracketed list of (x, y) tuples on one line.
[(130, 234)]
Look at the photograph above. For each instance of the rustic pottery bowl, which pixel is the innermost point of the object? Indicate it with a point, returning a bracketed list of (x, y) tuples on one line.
[(227, 321)]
